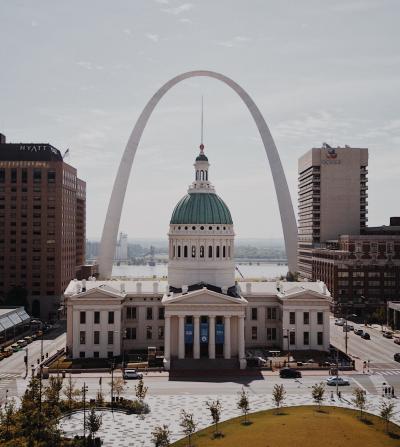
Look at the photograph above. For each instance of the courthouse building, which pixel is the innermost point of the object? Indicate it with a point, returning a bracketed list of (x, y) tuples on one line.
[(200, 312)]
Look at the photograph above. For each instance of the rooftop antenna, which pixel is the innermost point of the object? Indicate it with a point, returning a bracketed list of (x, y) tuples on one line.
[(202, 123)]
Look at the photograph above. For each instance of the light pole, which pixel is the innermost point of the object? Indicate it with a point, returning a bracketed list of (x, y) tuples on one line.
[(288, 343), (346, 329)]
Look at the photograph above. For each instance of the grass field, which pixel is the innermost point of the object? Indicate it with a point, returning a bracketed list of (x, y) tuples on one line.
[(301, 427)]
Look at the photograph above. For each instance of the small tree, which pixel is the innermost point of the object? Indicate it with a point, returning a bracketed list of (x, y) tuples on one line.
[(360, 400), (118, 385), (318, 394), (141, 390), (215, 408), (380, 316), (93, 423), (160, 436), (243, 404), (387, 412), (70, 392), (99, 398), (188, 425), (278, 396), (53, 390), (8, 416)]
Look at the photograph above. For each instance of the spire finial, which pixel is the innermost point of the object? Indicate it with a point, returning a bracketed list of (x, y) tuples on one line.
[(202, 126)]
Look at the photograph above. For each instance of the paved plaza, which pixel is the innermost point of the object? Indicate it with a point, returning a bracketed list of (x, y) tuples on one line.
[(133, 431)]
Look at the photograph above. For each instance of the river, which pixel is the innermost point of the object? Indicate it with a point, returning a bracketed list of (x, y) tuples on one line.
[(262, 270)]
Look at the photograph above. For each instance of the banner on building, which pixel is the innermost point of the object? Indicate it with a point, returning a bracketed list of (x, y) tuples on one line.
[(204, 333), (188, 333), (219, 334)]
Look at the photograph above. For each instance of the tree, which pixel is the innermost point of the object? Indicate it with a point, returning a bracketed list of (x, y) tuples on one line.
[(53, 390), (278, 396), (318, 394), (118, 385), (380, 316), (188, 425), (160, 436), (93, 423), (141, 390), (70, 392), (215, 408), (8, 416), (387, 412), (360, 400), (243, 404)]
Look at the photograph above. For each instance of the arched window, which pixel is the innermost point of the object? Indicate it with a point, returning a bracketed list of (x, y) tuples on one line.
[(179, 251), (224, 251), (217, 251), (193, 251), (229, 251), (201, 175), (206, 172), (201, 251), (173, 251), (210, 254), (185, 251)]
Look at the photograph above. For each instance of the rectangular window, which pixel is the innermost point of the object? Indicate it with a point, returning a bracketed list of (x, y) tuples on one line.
[(82, 317), (82, 337), (161, 313), (254, 313), (306, 337), (271, 333), (254, 332), (96, 354), (111, 317), (37, 176), (110, 354), (320, 338), (292, 317), (97, 317), (292, 338), (13, 176), (306, 318), (24, 176), (131, 333), (51, 177), (2, 175), (82, 354), (96, 337), (110, 338), (320, 318), (271, 313), (149, 313), (161, 332), (149, 332), (131, 313)]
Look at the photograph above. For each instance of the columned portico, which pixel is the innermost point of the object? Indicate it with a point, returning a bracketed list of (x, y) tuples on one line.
[(227, 337)]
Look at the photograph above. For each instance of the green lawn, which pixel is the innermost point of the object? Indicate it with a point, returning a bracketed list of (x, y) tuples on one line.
[(301, 427)]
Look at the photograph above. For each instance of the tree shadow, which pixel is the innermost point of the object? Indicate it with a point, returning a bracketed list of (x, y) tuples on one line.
[(246, 423), (394, 435), (366, 421), (281, 413)]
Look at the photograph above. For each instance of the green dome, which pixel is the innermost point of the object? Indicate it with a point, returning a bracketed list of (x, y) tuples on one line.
[(201, 157), (201, 208)]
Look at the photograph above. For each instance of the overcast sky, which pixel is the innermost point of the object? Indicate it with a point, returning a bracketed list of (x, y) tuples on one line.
[(78, 73)]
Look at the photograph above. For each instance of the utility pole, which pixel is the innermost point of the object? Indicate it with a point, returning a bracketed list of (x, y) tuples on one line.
[(84, 390), (26, 362), (112, 385)]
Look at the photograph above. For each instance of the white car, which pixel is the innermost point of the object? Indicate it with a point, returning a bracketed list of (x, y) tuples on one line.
[(132, 374), (339, 322), (334, 380)]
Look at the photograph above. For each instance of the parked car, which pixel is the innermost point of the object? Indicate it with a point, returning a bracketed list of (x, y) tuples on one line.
[(366, 336), (28, 339), (289, 373), (387, 334), (396, 357), (15, 347), (347, 328), (335, 380), (22, 343), (358, 331), (396, 340), (7, 352), (339, 322), (132, 374)]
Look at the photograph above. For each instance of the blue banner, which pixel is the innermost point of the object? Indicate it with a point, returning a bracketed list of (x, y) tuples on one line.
[(204, 333), (219, 334), (188, 333)]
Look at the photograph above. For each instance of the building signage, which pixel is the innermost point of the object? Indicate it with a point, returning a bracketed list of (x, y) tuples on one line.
[(219, 334), (188, 333), (204, 333), (331, 157)]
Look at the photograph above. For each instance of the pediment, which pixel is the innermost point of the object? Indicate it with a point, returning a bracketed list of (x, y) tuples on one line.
[(203, 297), (299, 293), (99, 292)]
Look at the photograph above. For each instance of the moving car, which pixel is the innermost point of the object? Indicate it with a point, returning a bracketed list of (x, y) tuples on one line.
[(289, 373), (358, 331), (396, 357), (396, 340), (132, 374), (366, 336), (387, 334), (339, 322), (334, 380)]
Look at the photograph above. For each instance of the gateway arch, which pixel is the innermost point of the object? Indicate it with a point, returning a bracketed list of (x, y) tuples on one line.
[(111, 224)]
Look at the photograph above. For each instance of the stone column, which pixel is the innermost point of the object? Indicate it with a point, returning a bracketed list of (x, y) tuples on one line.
[(196, 337), (181, 337), (211, 337), (167, 342), (227, 337), (241, 353)]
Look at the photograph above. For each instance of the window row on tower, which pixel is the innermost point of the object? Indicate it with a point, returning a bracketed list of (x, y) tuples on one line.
[(187, 251), (202, 175)]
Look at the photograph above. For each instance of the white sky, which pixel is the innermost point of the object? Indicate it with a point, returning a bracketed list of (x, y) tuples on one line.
[(78, 73)]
